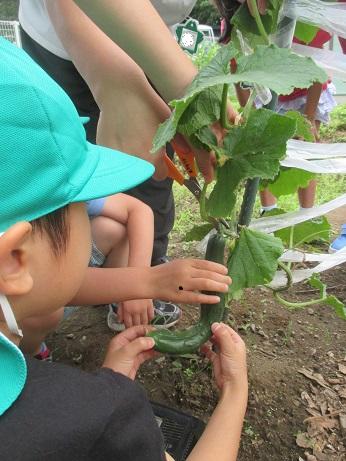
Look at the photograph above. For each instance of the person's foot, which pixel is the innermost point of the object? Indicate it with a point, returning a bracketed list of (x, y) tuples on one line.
[(45, 354), (340, 242), (166, 315)]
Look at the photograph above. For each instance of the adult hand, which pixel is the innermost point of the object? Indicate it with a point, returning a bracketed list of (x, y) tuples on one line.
[(206, 160), (181, 280), (128, 350), (137, 312), (229, 360)]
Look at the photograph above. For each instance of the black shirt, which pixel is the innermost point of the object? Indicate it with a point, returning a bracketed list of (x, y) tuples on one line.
[(64, 414)]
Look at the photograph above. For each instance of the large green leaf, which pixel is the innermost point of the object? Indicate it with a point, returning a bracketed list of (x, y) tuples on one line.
[(203, 111), (198, 232), (254, 259), (303, 129), (305, 232), (223, 197), (289, 180), (281, 70), (254, 150)]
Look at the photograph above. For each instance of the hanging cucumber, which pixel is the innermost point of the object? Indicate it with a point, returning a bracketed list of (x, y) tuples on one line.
[(189, 340)]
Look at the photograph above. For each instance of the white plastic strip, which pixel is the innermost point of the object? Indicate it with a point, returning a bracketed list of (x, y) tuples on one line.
[(296, 256), (273, 223), (329, 262), (334, 63), (327, 15), (311, 150), (332, 166)]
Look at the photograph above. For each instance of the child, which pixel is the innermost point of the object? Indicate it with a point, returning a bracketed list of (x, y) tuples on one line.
[(60, 412), (315, 103), (122, 229)]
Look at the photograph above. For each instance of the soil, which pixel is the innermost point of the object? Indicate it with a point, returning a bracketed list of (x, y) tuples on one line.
[(293, 358)]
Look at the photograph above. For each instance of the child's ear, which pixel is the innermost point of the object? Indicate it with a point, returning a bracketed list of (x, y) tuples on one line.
[(15, 278)]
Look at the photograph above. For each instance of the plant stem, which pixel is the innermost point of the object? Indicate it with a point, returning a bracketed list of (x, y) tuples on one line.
[(257, 18), (224, 101), (248, 203), (202, 203), (294, 306)]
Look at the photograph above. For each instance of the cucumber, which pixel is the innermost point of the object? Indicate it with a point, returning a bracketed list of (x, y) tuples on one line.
[(189, 340)]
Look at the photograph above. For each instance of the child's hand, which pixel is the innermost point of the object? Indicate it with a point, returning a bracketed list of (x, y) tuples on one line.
[(138, 312), (181, 280), (128, 350), (229, 362)]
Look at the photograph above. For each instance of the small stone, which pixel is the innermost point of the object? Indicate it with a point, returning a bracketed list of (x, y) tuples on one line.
[(70, 336), (330, 354), (299, 321), (316, 336), (77, 359), (83, 338), (310, 311)]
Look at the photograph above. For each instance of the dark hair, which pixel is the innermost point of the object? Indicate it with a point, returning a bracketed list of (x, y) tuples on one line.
[(227, 8), (55, 225)]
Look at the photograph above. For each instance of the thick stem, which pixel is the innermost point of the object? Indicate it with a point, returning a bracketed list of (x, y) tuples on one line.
[(248, 204), (224, 115), (257, 18), (202, 203)]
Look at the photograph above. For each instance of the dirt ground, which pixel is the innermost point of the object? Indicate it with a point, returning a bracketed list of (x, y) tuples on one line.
[(297, 368)]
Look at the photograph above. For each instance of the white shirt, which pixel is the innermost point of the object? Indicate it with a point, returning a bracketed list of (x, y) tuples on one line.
[(34, 19)]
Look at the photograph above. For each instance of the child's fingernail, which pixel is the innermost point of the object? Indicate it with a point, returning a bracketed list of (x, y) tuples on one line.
[(215, 326), (151, 342)]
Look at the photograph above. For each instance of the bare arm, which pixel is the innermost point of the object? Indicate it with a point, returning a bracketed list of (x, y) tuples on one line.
[(117, 83), (138, 29), (103, 286), (220, 440)]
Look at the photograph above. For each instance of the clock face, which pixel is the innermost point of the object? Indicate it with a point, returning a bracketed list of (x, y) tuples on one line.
[(188, 39)]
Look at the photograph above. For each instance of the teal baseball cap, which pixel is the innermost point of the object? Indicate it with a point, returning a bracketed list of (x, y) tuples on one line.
[(13, 372), (45, 159)]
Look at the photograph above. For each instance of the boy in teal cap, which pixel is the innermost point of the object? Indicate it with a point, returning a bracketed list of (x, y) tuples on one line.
[(49, 411)]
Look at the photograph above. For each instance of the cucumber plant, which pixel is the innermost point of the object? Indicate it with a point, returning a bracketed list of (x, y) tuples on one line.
[(249, 152)]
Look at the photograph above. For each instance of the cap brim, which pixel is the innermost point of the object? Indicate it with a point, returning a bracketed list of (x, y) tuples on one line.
[(114, 172), (12, 373)]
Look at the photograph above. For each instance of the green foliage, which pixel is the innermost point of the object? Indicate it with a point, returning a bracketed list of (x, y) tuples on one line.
[(198, 232), (303, 127), (205, 54), (288, 181), (287, 71), (206, 13), (8, 9), (305, 32), (204, 110), (305, 232), (335, 131), (254, 150), (254, 259), (330, 300)]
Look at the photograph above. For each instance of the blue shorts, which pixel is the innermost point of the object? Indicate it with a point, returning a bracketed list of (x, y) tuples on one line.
[(95, 207)]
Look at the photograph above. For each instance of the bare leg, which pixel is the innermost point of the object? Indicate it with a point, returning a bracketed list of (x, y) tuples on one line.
[(307, 195), (35, 330), (267, 198), (111, 239)]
